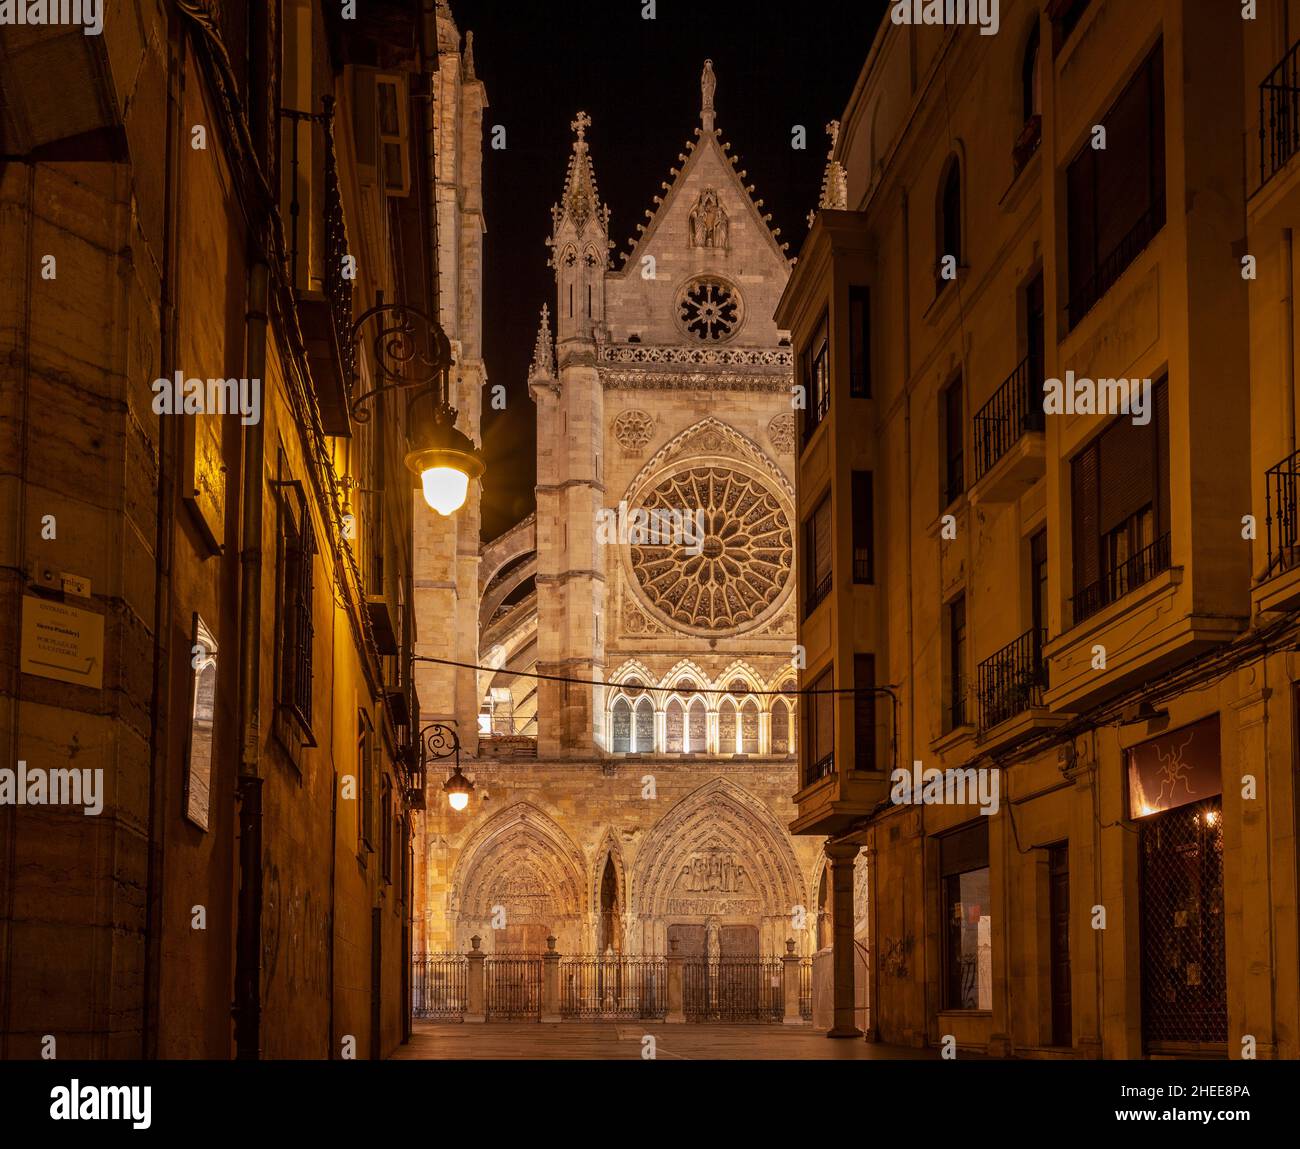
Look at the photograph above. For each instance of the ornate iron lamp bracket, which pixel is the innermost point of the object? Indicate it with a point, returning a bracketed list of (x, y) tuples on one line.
[(438, 741), (411, 353)]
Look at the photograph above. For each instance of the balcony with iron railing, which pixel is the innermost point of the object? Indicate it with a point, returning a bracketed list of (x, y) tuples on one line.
[(324, 311), (1008, 433), (1278, 588), (1115, 262), (1122, 577), (817, 592), (1012, 681), (1279, 115)]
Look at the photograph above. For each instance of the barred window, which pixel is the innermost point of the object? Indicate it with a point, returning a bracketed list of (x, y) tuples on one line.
[(298, 547), (366, 749), (386, 830)]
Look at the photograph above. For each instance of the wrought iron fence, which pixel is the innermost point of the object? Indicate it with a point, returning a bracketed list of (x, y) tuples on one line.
[(512, 987), (1123, 577), (1279, 115), (1281, 487), (1015, 408), (805, 988), (612, 986), (733, 989), (1012, 681), (438, 985)]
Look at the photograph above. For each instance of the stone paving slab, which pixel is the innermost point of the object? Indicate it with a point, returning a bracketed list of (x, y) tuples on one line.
[(622, 1041)]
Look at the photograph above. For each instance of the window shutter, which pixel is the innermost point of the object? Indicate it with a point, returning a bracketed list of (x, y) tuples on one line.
[(864, 712), (1161, 421), (1087, 559), (1127, 471), (822, 542)]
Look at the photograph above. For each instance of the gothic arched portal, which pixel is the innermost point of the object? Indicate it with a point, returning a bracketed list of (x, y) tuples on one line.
[(717, 858)]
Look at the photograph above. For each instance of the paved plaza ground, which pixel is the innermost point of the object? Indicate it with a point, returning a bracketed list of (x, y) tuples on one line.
[(622, 1041)]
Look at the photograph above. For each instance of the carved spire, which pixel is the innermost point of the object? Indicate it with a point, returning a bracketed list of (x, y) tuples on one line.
[(835, 182), (467, 63), (835, 179), (581, 200), (544, 349), (708, 85)]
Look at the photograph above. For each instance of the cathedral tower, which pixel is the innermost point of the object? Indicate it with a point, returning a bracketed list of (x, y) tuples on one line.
[(570, 435)]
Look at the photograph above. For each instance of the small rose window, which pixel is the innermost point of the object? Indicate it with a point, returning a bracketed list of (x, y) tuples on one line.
[(710, 309)]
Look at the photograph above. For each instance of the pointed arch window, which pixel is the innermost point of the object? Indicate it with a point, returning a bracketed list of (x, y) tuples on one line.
[(644, 732), (948, 238), (749, 727), (622, 726), (675, 727), (780, 727), (727, 728), (697, 728), (1031, 103)]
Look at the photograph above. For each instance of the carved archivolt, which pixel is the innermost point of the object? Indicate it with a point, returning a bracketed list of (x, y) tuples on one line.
[(718, 852), (520, 859)]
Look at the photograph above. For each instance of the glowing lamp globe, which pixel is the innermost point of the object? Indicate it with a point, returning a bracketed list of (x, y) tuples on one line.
[(445, 489), (446, 462), (457, 789)]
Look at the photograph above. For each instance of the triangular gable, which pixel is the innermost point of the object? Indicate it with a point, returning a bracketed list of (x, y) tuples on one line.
[(708, 151)]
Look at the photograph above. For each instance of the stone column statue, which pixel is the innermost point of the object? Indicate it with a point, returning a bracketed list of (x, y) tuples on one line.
[(708, 84)]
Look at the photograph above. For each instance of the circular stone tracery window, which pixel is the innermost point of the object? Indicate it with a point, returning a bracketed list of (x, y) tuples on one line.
[(742, 563), (709, 308)]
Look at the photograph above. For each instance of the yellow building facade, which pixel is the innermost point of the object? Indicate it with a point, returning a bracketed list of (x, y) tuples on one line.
[(1047, 497), (219, 194)]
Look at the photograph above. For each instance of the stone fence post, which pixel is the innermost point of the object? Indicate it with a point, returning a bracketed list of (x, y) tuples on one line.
[(550, 982), (790, 984), (474, 1002), (675, 1013)]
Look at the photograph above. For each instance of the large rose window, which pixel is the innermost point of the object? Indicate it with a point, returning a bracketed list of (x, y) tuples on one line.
[(741, 565)]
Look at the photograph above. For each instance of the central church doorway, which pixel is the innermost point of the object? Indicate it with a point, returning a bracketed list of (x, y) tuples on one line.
[(723, 976)]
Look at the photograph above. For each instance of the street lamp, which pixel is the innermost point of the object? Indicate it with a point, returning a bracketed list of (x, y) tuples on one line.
[(438, 741), (412, 353)]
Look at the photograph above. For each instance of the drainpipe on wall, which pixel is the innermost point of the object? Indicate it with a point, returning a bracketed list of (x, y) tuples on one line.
[(169, 451), (1288, 329), (248, 943)]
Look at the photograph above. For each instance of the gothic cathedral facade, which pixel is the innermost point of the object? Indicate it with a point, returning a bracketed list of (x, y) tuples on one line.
[(634, 795)]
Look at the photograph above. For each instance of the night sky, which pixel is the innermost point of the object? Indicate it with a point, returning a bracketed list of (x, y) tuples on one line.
[(639, 81)]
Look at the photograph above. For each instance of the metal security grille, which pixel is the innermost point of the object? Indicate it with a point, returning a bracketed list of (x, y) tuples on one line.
[(733, 989), (439, 985), (1184, 975), (613, 986), (513, 987)]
